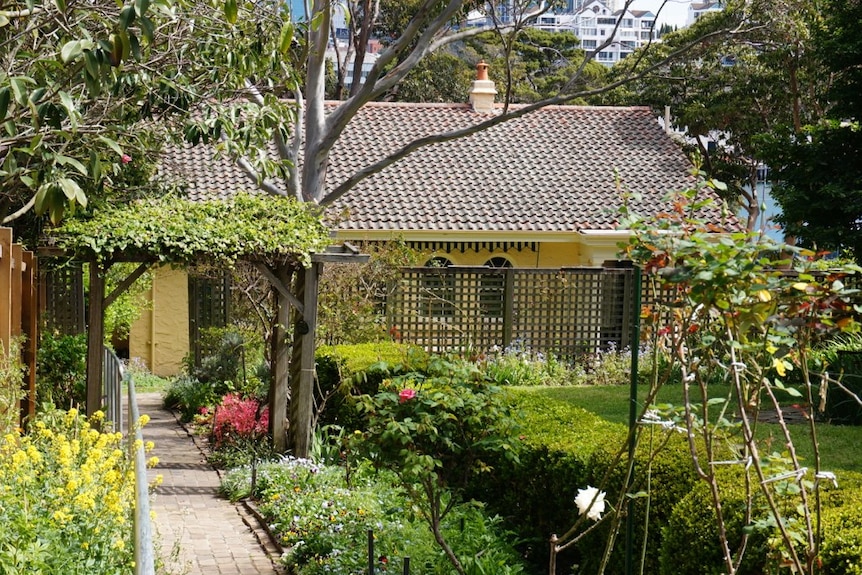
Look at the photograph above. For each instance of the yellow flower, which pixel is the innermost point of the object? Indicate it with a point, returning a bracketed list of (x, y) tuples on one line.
[(153, 461)]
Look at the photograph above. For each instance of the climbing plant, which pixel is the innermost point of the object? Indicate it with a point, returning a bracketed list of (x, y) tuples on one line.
[(736, 306), (174, 230)]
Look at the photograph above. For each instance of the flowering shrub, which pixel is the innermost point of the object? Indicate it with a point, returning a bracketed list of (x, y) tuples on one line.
[(436, 426), (322, 520), (237, 420), (66, 498)]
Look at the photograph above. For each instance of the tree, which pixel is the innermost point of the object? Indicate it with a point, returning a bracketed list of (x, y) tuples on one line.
[(71, 73), (754, 75), (819, 178), (535, 64)]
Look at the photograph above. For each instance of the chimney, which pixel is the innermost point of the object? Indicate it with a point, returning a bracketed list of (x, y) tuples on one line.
[(482, 93)]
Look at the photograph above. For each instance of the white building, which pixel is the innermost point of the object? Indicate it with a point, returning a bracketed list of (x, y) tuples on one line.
[(594, 24), (698, 9)]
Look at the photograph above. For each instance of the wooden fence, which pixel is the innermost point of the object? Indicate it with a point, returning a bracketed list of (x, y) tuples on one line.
[(19, 309), (568, 312)]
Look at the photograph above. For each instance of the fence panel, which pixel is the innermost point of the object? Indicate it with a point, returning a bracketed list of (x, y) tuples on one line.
[(569, 312), (18, 309)]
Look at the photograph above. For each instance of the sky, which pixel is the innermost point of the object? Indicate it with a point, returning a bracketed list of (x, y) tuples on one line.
[(674, 12)]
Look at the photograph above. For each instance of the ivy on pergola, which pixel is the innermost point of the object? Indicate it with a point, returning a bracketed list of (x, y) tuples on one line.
[(283, 237)]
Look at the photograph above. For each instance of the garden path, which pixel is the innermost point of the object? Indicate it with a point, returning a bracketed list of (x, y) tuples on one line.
[(196, 531)]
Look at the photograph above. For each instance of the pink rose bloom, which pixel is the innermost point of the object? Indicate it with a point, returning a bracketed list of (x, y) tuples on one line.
[(126, 158), (406, 395)]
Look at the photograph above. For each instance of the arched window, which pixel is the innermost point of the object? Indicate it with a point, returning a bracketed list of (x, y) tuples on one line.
[(492, 288)]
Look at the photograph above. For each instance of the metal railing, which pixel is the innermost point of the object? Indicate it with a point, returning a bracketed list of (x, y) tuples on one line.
[(112, 393), (144, 548), (113, 376)]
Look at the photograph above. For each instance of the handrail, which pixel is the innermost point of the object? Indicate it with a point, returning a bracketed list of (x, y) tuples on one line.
[(144, 549), (112, 393)]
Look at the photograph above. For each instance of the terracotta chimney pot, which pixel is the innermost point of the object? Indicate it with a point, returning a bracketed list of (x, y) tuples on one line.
[(481, 70)]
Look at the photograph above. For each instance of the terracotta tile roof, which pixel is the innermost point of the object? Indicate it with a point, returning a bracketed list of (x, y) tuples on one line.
[(549, 171)]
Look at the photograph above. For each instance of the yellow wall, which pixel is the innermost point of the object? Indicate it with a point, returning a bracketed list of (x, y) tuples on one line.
[(163, 344), (160, 338), (547, 255)]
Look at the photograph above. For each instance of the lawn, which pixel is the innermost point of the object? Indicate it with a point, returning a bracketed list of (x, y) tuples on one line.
[(839, 444)]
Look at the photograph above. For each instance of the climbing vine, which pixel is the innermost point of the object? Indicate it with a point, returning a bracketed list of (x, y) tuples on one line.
[(175, 230)]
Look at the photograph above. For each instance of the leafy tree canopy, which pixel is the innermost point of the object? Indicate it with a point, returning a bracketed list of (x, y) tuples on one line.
[(817, 168), (754, 74), (174, 230)]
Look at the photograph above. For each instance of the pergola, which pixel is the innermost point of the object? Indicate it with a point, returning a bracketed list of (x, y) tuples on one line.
[(284, 239)]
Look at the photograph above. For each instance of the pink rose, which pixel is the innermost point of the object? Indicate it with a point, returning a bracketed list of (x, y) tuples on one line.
[(406, 395), (126, 158)]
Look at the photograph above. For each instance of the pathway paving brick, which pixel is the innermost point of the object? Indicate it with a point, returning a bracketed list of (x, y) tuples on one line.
[(197, 532)]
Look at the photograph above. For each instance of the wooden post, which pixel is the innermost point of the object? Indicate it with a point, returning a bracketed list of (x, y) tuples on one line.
[(302, 387), (95, 337), (279, 391), (5, 287), (508, 305)]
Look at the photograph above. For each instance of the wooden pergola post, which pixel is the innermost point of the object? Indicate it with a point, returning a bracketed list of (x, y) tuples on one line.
[(302, 366), (278, 393), (95, 336)]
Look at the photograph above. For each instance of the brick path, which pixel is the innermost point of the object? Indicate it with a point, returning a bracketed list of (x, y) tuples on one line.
[(196, 531)]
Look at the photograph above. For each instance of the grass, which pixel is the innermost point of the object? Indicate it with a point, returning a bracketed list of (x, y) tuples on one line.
[(838, 444)]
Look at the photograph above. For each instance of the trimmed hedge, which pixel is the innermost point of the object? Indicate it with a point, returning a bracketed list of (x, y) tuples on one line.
[(566, 448)]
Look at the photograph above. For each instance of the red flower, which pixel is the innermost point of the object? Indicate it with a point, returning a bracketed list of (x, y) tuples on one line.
[(126, 158), (406, 395)]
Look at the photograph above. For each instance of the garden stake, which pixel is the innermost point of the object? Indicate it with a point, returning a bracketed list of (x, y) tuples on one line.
[(370, 552)]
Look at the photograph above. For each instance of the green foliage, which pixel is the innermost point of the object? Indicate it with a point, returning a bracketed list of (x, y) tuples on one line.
[(347, 371), (516, 365), (565, 448), (437, 426), (841, 550), (739, 85), (175, 230), (61, 370), (689, 541), (351, 298), (542, 63), (436, 422), (321, 518), (11, 386), (67, 100), (724, 303), (228, 362), (188, 395), (67, 494), (127, 308)]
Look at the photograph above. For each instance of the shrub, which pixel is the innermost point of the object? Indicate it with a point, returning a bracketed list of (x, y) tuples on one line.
[(347, 371), (61, 370), (188, 395), (11, 390), (239, 420), (66, 495), (690, 544), (322, 520)]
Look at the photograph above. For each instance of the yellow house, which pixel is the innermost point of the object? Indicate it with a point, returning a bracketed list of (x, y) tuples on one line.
[(539, 191)]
